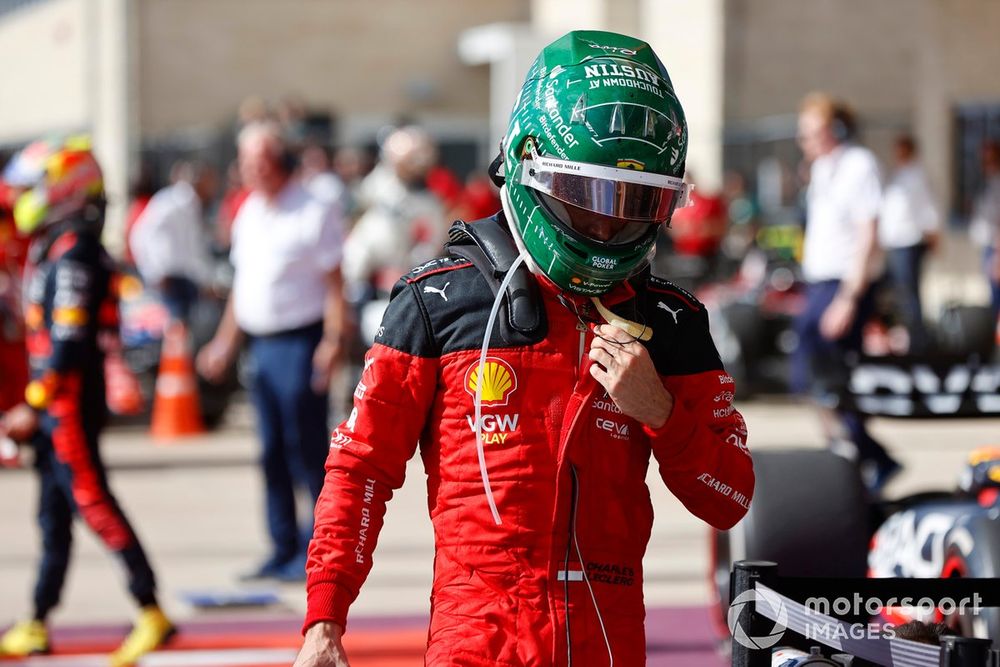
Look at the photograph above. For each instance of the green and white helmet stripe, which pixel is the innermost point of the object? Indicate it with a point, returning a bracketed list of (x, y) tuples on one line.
[(605, 100)]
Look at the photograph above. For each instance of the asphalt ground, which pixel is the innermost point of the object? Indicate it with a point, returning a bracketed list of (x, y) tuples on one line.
[(198, 507)]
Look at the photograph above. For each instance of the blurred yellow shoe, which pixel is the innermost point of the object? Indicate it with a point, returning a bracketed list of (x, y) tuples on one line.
[(151, 631), (25, 638)]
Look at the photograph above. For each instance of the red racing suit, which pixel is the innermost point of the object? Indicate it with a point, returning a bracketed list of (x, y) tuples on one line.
[(566, 467)]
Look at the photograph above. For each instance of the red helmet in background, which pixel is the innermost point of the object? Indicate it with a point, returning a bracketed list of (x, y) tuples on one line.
[(55, 180)]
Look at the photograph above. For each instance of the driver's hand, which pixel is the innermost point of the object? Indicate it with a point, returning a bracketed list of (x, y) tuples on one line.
[(19, 423), (624, 368), (322, 647)]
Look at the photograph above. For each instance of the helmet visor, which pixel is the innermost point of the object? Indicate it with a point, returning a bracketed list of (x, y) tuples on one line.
[(625, 194), (594, 226)]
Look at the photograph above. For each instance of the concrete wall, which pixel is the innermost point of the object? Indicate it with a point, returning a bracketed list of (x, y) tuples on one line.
[(45, 59), (66, 70), (689, 38), (777, 51), (112, 102), (903, 64), (375, 60), (554, 18), (863, 52)]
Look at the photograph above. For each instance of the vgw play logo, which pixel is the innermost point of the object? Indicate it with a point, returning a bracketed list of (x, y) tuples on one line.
[(739, 614), (498, 381)]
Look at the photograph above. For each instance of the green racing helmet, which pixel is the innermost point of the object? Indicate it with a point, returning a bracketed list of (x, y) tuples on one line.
[(593, 160)]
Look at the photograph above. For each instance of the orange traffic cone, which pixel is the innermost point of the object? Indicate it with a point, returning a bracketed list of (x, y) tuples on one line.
[(176, 410)]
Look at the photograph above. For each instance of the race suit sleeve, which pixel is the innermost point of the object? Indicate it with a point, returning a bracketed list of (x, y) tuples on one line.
[(702, 447), (368, 455)]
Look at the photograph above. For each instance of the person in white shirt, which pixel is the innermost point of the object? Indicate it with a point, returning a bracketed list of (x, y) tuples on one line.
[(403, 225), (985, 225), (839, 263), (288, 297), (908, 226), (169, 242)]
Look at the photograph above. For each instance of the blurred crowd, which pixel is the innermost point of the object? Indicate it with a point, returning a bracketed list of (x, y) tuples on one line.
[(296, 246), (396, 200), (726, 238), (391, 205)]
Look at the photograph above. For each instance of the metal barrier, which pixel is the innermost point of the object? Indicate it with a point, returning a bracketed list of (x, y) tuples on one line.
[(753, 583)]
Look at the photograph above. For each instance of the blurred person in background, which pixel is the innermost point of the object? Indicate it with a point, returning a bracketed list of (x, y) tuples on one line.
[(317, 175), (475, 199), (909, 226), (743, 214), (288, 297), (743, 208), (698, 229), (403, 224), (293, 116), (840, 261), (70, 305), (169, 243), (480, 198), (443, 182), (351, 165), (593, 369), (140, 192), (232, 199), (985, 225)]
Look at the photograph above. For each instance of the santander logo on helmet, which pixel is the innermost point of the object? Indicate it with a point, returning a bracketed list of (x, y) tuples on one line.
[(593, 160)]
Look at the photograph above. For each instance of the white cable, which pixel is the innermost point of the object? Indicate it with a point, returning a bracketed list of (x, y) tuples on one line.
[(480, 370), (593, 598)]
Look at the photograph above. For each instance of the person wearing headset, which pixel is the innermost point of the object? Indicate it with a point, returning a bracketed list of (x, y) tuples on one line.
[(840, 262), (288, 297), (541, 366)]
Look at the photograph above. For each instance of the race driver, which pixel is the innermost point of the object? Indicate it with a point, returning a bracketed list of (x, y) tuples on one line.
[(538, 394), (70, 305)]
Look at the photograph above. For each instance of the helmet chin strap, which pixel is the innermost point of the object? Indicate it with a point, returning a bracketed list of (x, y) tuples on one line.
[(639, 331), (633, 329)]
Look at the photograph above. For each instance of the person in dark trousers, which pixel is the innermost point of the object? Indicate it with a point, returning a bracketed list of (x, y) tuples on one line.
[(840, 261), (288, 297), (70, 310), (169, 242), (909, 226)]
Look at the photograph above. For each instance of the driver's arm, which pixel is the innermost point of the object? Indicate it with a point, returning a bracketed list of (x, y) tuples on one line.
[(702, 447), (368, 455)]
